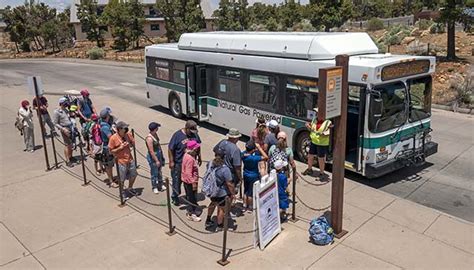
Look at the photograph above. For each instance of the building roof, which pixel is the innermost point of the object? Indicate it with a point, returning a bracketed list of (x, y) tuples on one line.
[(205, 6), (296, 45)]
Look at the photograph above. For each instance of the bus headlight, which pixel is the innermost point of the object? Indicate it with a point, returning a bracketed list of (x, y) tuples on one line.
[(381, 156), (428, 138)]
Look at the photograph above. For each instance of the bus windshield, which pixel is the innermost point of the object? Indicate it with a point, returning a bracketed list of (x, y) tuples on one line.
[(393, 113), (420, 98)]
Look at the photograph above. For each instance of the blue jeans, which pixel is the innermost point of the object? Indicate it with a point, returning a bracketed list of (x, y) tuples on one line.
[(155, 171), (176, 176)]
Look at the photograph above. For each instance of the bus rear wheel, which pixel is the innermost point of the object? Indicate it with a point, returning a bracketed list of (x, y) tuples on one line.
[(303, 143), (175, 106)]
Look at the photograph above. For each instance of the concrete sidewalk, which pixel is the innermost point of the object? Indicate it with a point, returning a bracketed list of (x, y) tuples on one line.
[(49, 221)]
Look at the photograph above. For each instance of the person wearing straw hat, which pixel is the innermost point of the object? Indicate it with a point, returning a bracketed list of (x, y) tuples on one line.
[(319, 134), (155, 158), (232, 155)]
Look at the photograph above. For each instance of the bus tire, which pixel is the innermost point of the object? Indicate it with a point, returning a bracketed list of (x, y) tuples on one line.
[(302, 146), (174, 104)]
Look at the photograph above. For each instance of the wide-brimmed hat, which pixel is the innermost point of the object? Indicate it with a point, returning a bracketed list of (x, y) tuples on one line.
[(279, 164), (234, 133), (121, 125)]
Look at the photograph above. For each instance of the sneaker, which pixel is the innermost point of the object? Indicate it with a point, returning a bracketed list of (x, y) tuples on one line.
[(220, 227), (193, 217), (163, 188), (125, 195), (209, 223), (156, 191), (308, 172), (31, 151), (69, 164), (176, 202)]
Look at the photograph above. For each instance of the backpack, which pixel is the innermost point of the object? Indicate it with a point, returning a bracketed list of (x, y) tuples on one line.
[(19, 123), (276, 155), (320, 232), (209, 182), (96, 134), (87, 129)]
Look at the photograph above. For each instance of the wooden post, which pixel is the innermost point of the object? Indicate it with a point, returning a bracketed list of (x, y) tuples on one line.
[(339, 153), (40, 118)]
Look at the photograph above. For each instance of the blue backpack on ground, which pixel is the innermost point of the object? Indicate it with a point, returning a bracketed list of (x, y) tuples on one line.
[(320, 232)]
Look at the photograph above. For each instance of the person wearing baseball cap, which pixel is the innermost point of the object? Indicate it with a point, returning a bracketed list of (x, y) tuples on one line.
[(319, 129), (106, 132), (176, 150), (232, 157), (26, 116), (85, 107), (155, 157), (190, 178), (271, 139), (62, 121), (120, 146)]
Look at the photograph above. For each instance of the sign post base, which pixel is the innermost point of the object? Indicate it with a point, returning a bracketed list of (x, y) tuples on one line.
[(341, 234), (171, 233)]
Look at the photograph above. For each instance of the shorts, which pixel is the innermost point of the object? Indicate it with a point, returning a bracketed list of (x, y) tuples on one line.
[(319, 150), (67, 137), (127, 171), (219, 200), (248, 185), (107, 158)]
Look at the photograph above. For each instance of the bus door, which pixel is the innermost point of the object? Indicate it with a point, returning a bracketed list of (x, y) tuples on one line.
[(191, 93), (201, 88)]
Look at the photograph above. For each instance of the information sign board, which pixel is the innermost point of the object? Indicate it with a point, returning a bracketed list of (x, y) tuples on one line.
[(31, 85), (333, 93), (267, 212)]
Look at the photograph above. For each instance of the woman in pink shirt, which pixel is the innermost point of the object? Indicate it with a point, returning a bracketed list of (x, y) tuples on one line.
[(190, 178)]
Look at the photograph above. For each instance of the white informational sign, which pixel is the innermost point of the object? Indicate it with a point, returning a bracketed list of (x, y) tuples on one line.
[(31, 85), (268, 212), (333, 93)]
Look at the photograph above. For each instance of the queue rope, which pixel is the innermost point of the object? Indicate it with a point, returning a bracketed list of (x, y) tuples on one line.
[(311, 208), (144, 139), (146, 213), (311, 183)]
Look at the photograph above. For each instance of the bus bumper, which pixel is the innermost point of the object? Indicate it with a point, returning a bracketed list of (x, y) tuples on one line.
[(382, 168)]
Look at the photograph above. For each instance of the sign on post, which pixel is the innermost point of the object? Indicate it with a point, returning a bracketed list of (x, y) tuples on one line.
[(333, 92), (268, 212), (31, 86)]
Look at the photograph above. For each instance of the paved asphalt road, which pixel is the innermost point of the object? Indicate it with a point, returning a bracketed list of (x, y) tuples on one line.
[(445, 182)]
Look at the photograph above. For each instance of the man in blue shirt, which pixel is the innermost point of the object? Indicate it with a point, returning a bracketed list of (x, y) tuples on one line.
[(105, 133), (176, 150), (85, 107)]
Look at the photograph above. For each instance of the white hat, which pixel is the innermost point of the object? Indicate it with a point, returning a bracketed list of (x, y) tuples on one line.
[(315, 109), (272, 124), (280, 164)]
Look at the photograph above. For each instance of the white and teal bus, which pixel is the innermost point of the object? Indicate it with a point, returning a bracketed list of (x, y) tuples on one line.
[(230, 78)]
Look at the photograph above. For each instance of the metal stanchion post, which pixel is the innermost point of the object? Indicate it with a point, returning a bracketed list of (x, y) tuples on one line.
[(134, 149), (240, 191), (54, 149), (122, 201), (168, 200), (82, 163), (293, 194), (223, 261)]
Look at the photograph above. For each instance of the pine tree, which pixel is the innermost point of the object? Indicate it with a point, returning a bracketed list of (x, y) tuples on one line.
[(137, 21), (117, 18), (90, 20), (451, 13), (329, 14), (181, 16)]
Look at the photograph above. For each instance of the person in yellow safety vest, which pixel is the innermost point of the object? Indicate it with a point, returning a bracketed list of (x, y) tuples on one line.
[(319, 134)]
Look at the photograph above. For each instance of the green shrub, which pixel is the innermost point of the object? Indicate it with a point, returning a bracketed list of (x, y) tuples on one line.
[(424, 24), (375, 24), (96, 53), (438, 28)]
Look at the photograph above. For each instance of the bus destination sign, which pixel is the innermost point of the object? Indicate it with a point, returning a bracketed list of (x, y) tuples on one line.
[(405, 69)]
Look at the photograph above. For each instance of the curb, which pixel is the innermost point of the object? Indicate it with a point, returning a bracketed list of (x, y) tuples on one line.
[(452, 109), (82, 61)]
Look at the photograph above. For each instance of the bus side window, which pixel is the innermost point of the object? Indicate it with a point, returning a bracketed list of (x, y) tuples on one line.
[(178, 73), (229, 85), (301, 96), (162, 69), (262, 92), (150, 67)]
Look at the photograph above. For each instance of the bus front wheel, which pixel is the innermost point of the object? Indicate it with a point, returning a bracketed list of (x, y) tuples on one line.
[(175, 106), (302, 146)]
